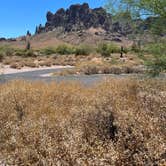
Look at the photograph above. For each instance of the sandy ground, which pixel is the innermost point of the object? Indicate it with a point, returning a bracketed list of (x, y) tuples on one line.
[(5, 69)]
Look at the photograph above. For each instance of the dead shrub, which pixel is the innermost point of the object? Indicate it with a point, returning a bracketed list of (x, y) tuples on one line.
[(16, 65), (30, 64)]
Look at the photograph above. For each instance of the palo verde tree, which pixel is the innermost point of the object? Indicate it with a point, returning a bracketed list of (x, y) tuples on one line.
[(140, 9)]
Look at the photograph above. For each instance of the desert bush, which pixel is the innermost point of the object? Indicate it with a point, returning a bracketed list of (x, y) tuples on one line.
[(125, 50), (103, 50), (7, 61), (89, 69), (106, 49), (113, 48), (115, 70), (6, 51), (1, 57), (105, 68), (47, 63), (65, 49), (30, 64), (48, 51), (131, 69), (155, 48), (118, 122), (83, 50), (65, 72), (135, 48), (20, 52), (157, 63), (29, 53), (16, 65), (25, 53)]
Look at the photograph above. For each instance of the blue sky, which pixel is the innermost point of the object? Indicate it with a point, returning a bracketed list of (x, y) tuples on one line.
[(18, 16)]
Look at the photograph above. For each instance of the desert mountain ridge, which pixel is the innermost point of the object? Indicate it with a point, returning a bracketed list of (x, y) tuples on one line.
[(80, 18), (78, 24)]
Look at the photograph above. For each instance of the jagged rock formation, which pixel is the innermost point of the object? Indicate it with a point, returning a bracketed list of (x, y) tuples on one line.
[(79, 24), (77, 17)]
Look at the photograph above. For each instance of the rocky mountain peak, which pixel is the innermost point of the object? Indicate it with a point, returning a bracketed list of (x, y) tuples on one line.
[(77, 17)]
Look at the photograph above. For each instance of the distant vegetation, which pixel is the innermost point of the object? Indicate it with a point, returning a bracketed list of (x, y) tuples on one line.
[(65, 49), (6, 51), (83, 50), (90, 68), (106, 49), (153, 55)]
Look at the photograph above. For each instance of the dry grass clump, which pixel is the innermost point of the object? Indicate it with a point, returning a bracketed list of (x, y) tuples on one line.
[(119, 122), (66, 72), (64, 60), (30, 64), (19, 62), (89, 68), (16, 65), (47, 63), (106, 68), (7, 61), (71, 60), (12, 59)]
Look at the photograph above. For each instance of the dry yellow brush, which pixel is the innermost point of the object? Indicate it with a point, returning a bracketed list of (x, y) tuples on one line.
[(119, 122)]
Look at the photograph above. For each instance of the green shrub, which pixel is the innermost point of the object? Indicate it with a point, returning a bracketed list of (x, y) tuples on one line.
[(106, 49), (135, 48), (65, 49), (48, 51), (155, 48), (113, 48), (6, 51), (30, 53), (20, 52), (83, 50), (157, 63), (103, 50), (125, 50), (1, 57)]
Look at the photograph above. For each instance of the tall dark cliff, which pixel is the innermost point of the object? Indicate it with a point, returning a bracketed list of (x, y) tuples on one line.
[(77, 17)]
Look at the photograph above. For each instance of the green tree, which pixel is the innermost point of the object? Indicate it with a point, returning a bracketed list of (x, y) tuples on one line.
[(157, 63), (138, 8)]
